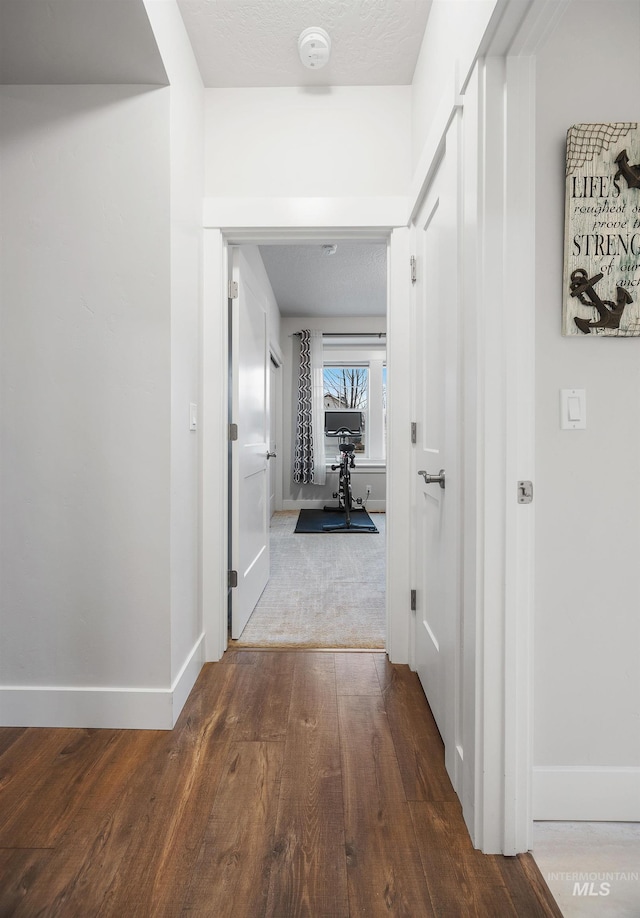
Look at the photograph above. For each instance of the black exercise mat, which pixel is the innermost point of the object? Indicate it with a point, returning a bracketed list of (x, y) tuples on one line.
[(315, 520)]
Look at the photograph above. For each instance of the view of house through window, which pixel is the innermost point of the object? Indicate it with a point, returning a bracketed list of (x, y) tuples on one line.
[(355, 379), (346, 388)]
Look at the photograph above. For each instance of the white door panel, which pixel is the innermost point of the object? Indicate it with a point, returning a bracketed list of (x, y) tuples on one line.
[(250, 479), (436, 509)]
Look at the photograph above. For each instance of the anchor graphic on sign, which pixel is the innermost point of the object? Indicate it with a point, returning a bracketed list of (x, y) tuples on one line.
[(631, 173), (609, 312)]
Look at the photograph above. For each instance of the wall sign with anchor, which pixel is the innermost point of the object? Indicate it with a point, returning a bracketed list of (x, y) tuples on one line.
[(601, 293)]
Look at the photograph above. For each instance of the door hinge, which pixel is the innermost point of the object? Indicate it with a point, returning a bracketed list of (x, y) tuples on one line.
[(414, 600), (414, 272), (233, 431), (233, 290), (525, 492), (232, 579), (414, 432)]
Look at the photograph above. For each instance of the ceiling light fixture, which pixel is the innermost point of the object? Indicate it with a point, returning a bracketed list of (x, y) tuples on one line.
[(314, 47)]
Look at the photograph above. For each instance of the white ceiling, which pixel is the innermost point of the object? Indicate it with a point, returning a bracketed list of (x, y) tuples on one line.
[(306, 282), (255, 42), (236, 42), (53, 42)]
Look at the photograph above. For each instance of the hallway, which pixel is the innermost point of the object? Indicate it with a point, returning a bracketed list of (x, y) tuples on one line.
[(295, 783)]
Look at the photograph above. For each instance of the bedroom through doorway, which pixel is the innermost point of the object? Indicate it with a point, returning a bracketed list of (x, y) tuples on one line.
[(324, 589)]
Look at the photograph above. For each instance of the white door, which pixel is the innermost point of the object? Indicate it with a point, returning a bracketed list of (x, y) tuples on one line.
[(436, 508), (249, 464), (273, 445)]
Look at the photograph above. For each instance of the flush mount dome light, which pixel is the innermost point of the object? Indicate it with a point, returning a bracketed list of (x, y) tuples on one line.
[(314, 48)]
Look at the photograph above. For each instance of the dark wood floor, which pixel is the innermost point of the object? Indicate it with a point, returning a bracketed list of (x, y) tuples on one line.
[(294, 784)]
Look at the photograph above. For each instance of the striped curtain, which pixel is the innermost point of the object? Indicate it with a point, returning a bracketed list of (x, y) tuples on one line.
[(309, 461)]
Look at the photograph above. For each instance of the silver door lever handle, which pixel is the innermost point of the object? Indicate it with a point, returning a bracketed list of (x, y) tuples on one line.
[(433, 479), (271, 455)]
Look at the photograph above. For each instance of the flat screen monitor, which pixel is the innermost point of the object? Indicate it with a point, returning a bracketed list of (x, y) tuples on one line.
[(335, 421)]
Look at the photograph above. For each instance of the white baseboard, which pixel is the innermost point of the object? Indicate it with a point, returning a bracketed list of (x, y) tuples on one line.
[(101, 707), (586, 793), (186, 678), (373, 506)]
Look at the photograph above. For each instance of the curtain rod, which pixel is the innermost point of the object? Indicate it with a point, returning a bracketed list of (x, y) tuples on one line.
[(346, 335)]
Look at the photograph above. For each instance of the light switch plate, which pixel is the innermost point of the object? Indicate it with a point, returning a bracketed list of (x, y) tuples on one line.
[(573, 409), (193, 416)]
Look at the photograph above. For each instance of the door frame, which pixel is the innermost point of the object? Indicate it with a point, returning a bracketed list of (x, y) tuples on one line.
[(276, 358), (382, 220)]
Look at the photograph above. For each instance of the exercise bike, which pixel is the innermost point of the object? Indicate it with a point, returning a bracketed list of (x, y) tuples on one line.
[(344, 495)]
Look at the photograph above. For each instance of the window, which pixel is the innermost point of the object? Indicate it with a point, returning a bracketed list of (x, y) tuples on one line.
[(355, 379), (346, 388)]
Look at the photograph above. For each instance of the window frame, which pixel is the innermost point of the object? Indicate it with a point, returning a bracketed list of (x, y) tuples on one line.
[(373, 357)]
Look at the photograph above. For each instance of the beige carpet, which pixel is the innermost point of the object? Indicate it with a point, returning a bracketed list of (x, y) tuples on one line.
[(325, 590)]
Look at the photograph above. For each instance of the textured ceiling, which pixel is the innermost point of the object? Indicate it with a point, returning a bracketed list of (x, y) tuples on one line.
[(306, 282), (77, 41), (255, 42), (236, 42)]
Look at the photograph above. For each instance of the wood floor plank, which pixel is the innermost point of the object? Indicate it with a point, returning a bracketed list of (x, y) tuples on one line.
[(239, 657), (214, 704), (8, 736), (418, 743), (463, 882), (263, 696), (156, 835), (21, 870), (308, 874), (231, 874), (75, 870), (356, 674), (527, 889), (384, 871), (36, 810), (157, 845), (23, 764)]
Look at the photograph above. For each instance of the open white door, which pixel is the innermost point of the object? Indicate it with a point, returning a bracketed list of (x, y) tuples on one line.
[(249, 464), (436, 508)]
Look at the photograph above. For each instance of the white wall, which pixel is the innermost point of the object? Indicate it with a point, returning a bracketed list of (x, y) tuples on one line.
[(338, 141), (101, 288), (296, 495), (85, 387), (450, 43), (186, 139), (587, 634)]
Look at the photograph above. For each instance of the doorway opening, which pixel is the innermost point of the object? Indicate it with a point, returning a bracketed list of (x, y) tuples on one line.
[(323, 589)]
